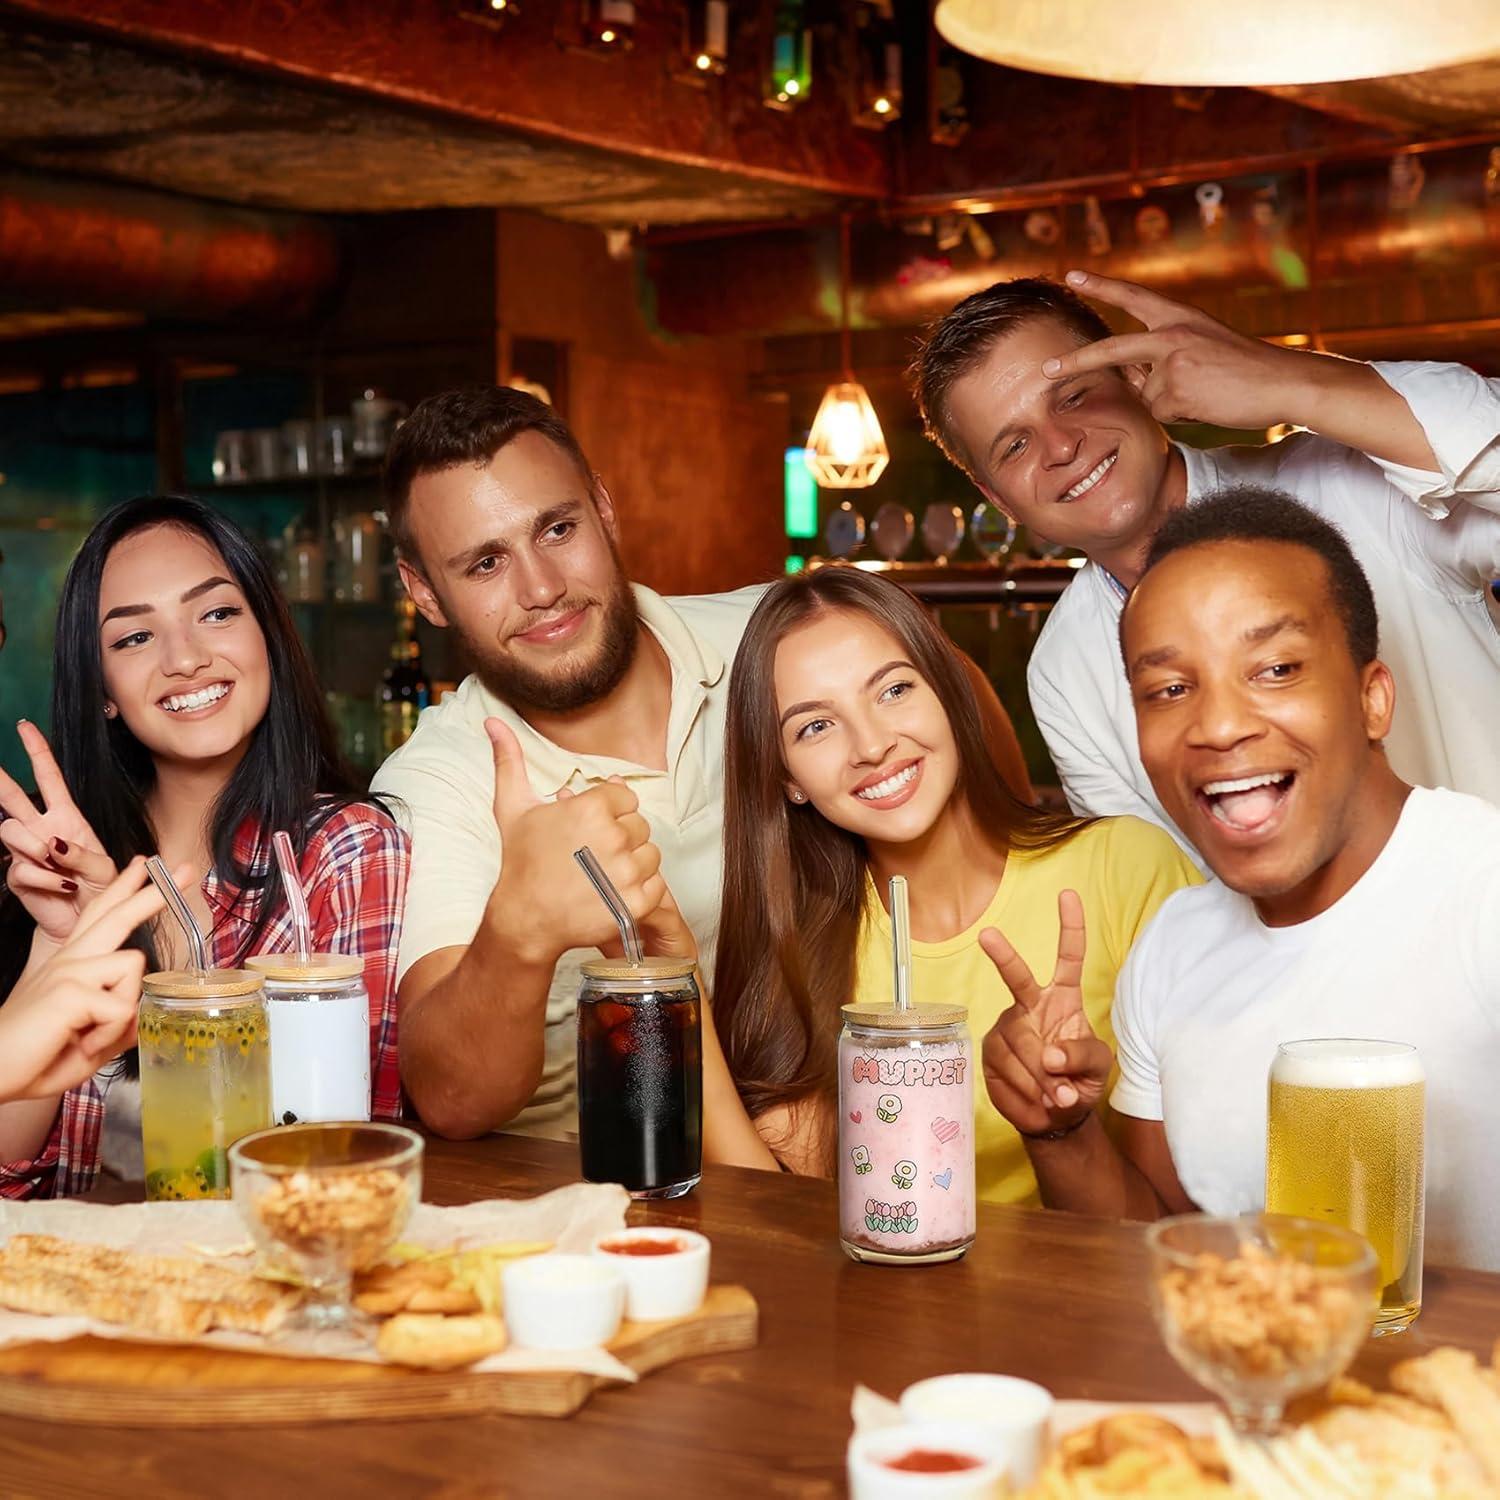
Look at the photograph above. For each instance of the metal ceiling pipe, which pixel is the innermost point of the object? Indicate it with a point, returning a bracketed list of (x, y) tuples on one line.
[(99, 245)]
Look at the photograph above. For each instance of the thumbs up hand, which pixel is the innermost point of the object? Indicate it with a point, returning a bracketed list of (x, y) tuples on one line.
[(543, 903)]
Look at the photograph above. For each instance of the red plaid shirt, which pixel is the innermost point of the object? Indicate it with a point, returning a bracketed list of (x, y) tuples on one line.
[(354, 870)]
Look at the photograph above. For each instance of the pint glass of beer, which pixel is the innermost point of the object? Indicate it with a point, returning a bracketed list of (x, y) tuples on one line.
[(1344, 1144)]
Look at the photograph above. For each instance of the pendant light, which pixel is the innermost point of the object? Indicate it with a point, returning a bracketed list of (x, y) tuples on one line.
[(1210, 43), (846, 449)]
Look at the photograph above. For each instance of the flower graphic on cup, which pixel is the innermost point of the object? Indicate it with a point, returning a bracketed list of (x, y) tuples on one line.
[(904, 1174), (860, 1156), (887, 1107)]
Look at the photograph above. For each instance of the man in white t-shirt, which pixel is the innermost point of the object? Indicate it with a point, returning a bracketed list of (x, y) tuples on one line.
[(1347, 904), (1060, 425)]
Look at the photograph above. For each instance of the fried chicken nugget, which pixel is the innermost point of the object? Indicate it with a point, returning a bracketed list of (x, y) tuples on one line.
[(423, 1286), (429, 1341)]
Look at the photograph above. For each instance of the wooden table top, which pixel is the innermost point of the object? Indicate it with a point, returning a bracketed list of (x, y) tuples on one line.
[(1052, 1297)]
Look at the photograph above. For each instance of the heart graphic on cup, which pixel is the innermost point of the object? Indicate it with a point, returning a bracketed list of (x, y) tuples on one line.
[(856, 1115), (943, 1179), (945, 1131)]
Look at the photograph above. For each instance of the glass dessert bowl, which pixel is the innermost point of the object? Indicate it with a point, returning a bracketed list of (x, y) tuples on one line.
[(1261, 1308), (324, 1202)]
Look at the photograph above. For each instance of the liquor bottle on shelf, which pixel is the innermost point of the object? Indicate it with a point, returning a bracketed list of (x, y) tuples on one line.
[(404, 687)]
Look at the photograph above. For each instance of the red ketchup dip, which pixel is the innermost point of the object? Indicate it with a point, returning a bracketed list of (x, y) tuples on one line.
[(643, 1247), (931, 1461)]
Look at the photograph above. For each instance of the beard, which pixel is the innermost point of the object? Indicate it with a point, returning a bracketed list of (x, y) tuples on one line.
[(578, 684)]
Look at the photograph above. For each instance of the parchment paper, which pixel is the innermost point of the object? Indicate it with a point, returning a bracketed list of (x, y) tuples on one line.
[(572, 1218)]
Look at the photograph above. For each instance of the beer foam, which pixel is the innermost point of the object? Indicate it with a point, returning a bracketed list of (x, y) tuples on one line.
[(1337, 1063)]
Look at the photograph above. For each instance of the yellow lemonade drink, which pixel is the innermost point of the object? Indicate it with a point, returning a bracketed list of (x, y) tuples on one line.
[(205, 1048), (1345, 1144)]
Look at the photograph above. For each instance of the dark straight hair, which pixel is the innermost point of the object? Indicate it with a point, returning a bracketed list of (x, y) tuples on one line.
[(291, 776)]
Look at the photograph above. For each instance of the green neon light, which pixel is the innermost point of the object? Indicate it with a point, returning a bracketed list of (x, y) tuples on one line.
[(800, 495)]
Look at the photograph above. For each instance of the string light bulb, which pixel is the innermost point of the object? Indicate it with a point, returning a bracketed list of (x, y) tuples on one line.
[(846, 449), (706, 36)]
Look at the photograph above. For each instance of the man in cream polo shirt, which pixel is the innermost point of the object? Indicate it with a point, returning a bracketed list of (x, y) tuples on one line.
[(595, 715)]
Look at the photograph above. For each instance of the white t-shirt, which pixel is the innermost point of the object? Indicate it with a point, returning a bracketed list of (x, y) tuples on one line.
[(444, 778), (1430, 545), (1410, 954)]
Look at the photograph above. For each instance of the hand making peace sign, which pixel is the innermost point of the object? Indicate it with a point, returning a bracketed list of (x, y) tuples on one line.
[(1044, 1067), (1186, 365), (57, 864)]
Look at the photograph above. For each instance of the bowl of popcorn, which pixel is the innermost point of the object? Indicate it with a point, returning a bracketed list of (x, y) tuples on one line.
[(323, 1202), (1261, 1308)]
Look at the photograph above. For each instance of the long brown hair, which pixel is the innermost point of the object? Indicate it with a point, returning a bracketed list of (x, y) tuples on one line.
[(794, 883)]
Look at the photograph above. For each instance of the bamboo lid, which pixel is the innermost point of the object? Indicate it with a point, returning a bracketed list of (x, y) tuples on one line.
[(283, 968), (216, 984), (647, 970), (920, 1016)]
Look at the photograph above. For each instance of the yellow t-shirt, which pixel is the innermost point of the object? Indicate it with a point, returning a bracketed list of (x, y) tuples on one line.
[(1122, 868)]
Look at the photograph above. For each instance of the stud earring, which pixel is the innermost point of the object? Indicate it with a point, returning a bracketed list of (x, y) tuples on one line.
[(110, 710), (799, 796)]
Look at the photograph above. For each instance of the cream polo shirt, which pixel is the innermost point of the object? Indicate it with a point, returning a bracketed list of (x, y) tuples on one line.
[(444, 779), (1429, 544)]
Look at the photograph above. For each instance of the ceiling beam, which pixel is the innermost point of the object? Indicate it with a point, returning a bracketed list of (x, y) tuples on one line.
[(522, 77)]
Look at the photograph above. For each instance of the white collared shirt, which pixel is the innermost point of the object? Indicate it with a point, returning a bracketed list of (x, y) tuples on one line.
[(1429, 544), (445, 780)]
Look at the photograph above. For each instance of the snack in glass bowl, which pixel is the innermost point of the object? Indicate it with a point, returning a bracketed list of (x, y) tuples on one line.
[(1260, 1308), (323, 1202)]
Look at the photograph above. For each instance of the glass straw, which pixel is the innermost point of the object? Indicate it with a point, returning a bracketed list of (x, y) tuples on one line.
[(296, 898), (613, 900), (168, 887), (901, 941)]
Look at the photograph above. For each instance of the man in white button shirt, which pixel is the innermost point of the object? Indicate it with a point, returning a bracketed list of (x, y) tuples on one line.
[(583, 685), (595, 716), (1060, 424), (1347, 904)]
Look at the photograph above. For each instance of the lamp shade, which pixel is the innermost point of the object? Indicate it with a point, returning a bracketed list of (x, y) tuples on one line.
[(1206, 43), (846, 449)]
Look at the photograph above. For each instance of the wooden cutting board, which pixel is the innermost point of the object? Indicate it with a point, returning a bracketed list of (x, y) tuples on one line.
[(114, 1383)]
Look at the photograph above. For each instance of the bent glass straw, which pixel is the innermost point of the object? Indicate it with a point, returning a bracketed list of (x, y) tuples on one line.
[(613, 900), (901, 941), (296, 898), (168, 887)]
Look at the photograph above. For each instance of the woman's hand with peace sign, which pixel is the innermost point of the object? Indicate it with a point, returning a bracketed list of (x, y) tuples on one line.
[(1043, 1066), (57, 865)]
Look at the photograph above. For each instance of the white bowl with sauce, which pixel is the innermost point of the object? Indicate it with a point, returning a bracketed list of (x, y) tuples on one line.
[(927, 1461), (665, 1270), (1015, 1414), (562, 1302)]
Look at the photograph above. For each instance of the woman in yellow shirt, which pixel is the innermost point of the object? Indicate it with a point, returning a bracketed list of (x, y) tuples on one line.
[(854, 752)]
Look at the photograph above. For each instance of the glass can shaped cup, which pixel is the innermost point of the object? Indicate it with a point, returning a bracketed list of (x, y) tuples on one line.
[(906, 1134), (1345, 1145), (320, 1036), (640, 1076), (205, 1054)]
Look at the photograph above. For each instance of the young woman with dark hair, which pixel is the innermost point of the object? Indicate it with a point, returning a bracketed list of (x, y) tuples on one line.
[(854, 752), (188, 722)]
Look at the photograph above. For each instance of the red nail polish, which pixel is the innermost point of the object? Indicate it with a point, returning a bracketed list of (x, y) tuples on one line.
[(70, 886), (60, 845)]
